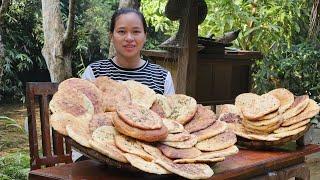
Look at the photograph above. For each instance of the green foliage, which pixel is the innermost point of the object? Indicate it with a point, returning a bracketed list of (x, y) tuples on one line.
[(296, 68), (22, 41), (15, 166), (9, 122)]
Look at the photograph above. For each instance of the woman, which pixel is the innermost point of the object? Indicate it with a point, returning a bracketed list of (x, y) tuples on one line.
[(128, 34)]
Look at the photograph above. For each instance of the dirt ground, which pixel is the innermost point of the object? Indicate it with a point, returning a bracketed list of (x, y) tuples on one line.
[(14, 140)]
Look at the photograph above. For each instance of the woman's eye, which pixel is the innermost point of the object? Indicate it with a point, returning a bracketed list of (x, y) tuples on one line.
[(121, 32), (136, 32)]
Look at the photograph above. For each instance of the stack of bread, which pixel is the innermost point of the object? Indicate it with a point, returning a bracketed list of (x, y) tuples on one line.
[(130, 123), (271, 116)]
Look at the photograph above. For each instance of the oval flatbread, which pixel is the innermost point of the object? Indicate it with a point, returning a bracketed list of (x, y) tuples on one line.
[(268, 122), (299, 104), (285, 97), (130, 145), (79, 134), (239, 130), (230, 118), (178, 137), (60, 120), (245, 100), (183, 144), (289, 133), (161, 106), (104, 135), (229, 108), (114, 93), (183, 108), (173, 126), (261, 106), (191, 171), (220, 153), (140, 93), (213, 130), (101, 119), (218, 142), (88, 89), (311, 110), (109, 150), (202, 119), (72, 102), (144, 135), (293, 126), (175, 153), (140, 117), (144, 165)]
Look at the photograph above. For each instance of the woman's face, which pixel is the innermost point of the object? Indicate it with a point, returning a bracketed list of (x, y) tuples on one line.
[(128, 36)]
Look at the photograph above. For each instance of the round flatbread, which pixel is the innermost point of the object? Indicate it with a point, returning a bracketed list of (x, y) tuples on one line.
[(245, 100), (183, 108), (292, 127), (190, 171), (239, 130), (104, 135), (229, 108), (101, 119), (289, 133), (140, 117), (140, 93), (60, 120), (269, 116), (175, 153), (220, 153), (285, 97), (130, 145), (311, 110), (79, 134), (144, 135), (109, 150), (202, 119), (261, 106), (114, 93), (262, 129), (299, 104), (268, 122), (88, 89), (218, 142), (173, 126), (213, 130), (178, 137), (200, 160), (183, 144), (72, 102), (161, 106), (146, 166)]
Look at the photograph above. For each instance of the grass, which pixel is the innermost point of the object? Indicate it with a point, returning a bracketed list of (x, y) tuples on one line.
[(14, 166)]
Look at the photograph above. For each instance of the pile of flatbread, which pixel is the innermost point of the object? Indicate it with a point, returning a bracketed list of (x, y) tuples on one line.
[(269, 117), (130, 123)]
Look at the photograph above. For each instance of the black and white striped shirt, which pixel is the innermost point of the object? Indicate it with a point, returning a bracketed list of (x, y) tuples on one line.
[(152, 75)]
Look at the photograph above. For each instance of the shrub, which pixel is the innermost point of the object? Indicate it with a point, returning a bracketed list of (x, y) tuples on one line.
[(15, 166)]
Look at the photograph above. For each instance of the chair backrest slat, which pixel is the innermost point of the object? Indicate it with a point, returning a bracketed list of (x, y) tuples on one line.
[(41, 93)]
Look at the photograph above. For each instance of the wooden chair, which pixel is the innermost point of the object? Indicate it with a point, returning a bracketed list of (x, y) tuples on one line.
[(54, 149)]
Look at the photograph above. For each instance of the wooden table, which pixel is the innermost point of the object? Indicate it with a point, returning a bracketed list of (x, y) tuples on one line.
[(280, 163)]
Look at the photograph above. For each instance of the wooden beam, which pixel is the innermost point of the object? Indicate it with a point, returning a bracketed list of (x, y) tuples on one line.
[(187, 58)]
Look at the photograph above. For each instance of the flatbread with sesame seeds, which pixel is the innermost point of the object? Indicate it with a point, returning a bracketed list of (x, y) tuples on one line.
[(200, 160), (183, 108), (140, 94), (182, 144), (140, 117), (292, 127), (178, 137), (285, 97), (80, 134), (161, 106), (114, 93), (172, 126), (289, 133), (108, 150), (130, 145), (220, 153), (213, 130), (104, 135), (146, 166), (175, 153)]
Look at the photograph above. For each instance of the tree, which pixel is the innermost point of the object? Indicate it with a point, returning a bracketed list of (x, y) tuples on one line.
[(124, 4), (57, 39), (314, 26), (3, 9)]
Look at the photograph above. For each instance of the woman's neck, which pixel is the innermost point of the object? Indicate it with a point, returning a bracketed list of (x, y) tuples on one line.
[(128, 63)]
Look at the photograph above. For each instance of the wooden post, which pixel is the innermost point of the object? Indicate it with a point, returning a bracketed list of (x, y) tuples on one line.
[(187, 58)]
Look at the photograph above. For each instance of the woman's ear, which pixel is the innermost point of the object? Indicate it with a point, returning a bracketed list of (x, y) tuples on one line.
[(110, 36)]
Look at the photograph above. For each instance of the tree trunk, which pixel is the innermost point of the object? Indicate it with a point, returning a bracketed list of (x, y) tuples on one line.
[(123, 4), (3, 9), (314, 26), (57, 39)]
